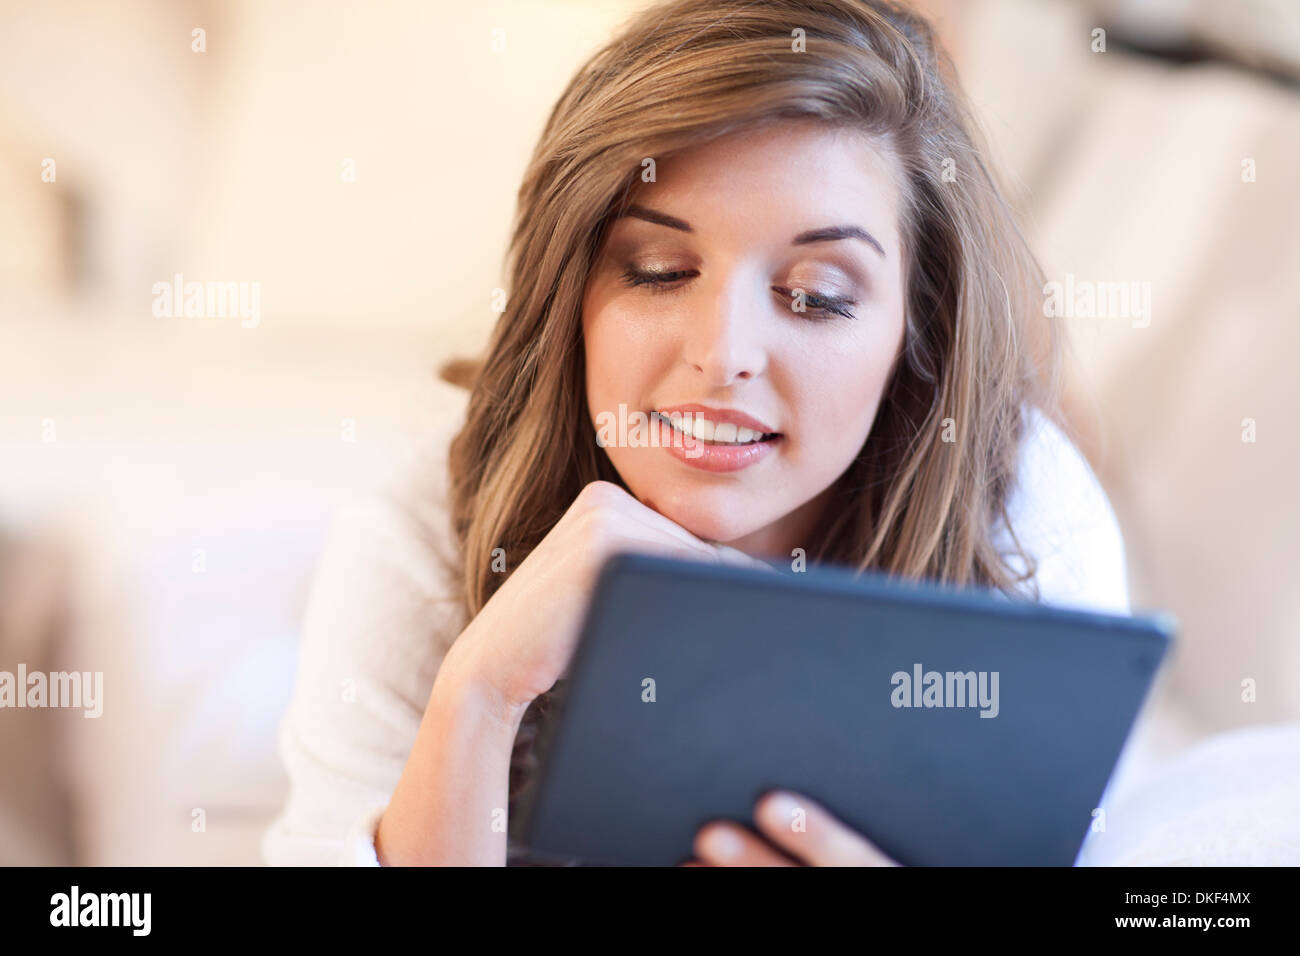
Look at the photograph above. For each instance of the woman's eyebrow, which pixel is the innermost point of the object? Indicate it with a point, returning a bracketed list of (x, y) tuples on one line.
[(831, 233), (827, 234), (658, 218)]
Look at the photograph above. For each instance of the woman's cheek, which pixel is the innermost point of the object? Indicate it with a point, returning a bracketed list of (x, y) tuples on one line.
[(839, 419)]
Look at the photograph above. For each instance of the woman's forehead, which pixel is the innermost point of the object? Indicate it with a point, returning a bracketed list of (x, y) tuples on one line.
[(786, 177)]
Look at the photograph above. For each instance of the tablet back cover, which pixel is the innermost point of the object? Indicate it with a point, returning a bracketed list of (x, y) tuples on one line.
[(698, 687)]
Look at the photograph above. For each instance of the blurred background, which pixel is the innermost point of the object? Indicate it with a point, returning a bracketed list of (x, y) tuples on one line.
[(166, 483)]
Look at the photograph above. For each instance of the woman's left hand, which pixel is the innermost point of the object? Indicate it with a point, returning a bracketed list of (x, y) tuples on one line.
[(799, 832)]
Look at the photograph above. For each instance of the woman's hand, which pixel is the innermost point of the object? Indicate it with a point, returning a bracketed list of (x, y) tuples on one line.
[(523, 639), (449, 804), (799, 832)]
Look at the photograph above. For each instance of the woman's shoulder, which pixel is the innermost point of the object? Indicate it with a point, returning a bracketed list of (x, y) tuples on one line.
[(416, 496), (389, 572), (1061, 515)]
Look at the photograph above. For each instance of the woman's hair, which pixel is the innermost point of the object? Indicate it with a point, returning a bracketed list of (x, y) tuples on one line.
[(925, 494)]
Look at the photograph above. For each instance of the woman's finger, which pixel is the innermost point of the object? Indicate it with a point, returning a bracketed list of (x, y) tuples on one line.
[(810, 833), (656, 520), (643, 536), (732, 555), (637, 510), (725, 844)]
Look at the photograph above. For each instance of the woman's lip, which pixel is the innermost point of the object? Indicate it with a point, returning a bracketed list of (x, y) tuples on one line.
[(716, 458), (721, 415)]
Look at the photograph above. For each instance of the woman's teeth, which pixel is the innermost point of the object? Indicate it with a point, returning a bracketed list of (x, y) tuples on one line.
[(718, 433)]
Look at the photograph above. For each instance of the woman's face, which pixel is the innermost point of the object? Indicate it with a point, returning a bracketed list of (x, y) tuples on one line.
[(740, 226)]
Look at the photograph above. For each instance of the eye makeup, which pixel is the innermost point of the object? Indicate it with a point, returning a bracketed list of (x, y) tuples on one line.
[(664, 280)]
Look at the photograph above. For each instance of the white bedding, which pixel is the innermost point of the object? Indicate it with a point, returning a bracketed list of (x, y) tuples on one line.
[(1232, 800)]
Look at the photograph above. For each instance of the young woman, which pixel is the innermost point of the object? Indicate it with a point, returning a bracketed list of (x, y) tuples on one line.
[(771, 223)]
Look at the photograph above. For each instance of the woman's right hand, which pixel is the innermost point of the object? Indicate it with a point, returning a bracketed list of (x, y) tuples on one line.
[(449, 805), (523, 639)]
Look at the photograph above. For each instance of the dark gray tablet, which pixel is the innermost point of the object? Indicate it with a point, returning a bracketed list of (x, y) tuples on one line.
[(951, 727)]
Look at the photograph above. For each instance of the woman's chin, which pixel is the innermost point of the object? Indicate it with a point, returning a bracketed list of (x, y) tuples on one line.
[(708, 526)]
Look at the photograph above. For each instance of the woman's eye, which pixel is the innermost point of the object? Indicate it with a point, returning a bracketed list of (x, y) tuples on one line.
[(659, 280), (815, 302), (655, 278)]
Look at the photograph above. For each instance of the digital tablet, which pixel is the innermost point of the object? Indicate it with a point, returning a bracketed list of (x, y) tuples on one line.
[(949, 726)]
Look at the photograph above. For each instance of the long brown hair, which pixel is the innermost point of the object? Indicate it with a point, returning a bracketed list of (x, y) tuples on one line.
[(925, 494)]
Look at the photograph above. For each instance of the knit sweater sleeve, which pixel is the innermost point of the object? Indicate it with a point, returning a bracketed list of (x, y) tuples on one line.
[(382, 612)]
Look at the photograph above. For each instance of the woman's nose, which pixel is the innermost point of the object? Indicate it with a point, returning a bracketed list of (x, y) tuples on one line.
[(723, 338)]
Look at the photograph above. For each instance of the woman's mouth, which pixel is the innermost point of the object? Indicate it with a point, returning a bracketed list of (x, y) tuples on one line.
[(712, 446), (710, 432)]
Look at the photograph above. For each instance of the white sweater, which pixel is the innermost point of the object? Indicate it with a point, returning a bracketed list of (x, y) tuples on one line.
[(384, 610)]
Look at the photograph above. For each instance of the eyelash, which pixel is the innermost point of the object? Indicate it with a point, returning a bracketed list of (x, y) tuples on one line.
[(659, 282)]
